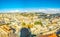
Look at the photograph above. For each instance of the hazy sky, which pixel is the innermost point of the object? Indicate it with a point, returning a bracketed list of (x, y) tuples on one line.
[(46, 6), (10, 4)]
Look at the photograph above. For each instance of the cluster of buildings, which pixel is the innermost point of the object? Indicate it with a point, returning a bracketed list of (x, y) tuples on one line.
[(28, 20)]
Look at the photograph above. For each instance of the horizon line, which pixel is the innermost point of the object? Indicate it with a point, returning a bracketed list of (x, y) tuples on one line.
[(45, 10)]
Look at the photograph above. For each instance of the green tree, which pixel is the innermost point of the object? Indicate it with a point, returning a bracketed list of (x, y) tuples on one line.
[(38, 23)]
